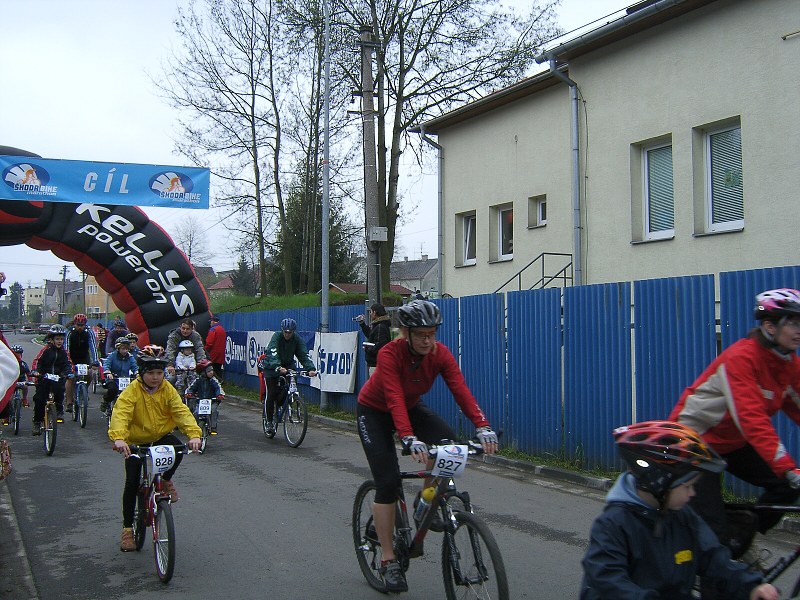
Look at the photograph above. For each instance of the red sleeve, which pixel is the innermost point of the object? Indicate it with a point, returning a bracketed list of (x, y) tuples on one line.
[(750, 411), (36, 360), (455, 381), (393, 392)]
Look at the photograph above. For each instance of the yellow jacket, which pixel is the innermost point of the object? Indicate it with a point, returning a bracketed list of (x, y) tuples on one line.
[(142, 418)]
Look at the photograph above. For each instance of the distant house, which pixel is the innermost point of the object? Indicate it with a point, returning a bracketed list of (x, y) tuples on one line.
[(361, 288), (205, 275), (417, 275), (224, 287)]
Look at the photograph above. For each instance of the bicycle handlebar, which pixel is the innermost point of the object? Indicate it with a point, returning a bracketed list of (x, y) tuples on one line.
[(141, 451), (474, 447)]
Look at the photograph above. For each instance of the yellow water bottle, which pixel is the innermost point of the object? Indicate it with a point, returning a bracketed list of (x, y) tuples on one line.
[(425, 499)]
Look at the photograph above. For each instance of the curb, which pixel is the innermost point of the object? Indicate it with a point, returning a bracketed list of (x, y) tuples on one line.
[(595, 483)]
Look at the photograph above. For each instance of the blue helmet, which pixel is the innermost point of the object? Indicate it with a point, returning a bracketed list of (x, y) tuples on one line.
[(288, 325)]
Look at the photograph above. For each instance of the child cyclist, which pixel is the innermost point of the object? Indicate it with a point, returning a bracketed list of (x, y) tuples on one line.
[(145, 414), (206, 386), (648, 543), (24, 373), (185, 365), (120, 363), (53, 360)]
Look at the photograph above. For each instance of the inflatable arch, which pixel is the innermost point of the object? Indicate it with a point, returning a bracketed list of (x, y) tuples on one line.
[(131, 257)]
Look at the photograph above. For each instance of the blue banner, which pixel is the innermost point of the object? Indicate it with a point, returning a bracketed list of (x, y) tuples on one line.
[(76, 181)]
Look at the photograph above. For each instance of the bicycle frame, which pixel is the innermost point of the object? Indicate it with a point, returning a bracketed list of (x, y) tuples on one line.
[(782, 564)]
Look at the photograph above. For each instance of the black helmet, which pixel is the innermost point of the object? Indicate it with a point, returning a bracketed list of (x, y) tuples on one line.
[(151, 358), (55, 330), (420, 313), (662, 455)]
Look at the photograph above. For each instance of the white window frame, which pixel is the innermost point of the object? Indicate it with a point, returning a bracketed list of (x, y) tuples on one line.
[(91, 289), (469, 225), (733, 225), (501, 211), (648, 233), (537, 211)]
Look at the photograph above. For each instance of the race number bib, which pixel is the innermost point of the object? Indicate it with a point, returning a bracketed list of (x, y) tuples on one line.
[(51, 376), (123, 382), (204, 406), (162, 459), (82, 369), (451, 461)]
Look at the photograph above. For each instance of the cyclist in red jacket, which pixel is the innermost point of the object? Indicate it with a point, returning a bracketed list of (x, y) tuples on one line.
[(731, 405), (391, 401)]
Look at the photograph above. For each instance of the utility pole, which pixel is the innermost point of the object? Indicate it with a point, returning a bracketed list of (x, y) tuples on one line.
[(326, 185), (61, 307), (374, 233)]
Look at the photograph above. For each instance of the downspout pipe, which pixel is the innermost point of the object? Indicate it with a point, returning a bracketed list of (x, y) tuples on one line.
[(577, 229), (440, 211)]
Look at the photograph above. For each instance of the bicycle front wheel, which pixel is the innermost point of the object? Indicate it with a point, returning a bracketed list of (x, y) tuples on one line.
[(164, 540), (50, 429), (16, 411), (295, 420), (139, 520), (203, 424), (365, 538), (471, 562), (82, 397)]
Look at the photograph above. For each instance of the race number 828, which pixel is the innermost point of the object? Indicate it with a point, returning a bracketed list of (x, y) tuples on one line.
[(163, 461)]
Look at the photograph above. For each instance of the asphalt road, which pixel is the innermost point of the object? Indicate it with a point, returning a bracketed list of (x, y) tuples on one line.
[(257, 519)]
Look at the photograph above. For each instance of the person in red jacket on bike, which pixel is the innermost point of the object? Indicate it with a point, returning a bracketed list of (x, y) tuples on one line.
[(216, 342), (391, 401), (731, 405)]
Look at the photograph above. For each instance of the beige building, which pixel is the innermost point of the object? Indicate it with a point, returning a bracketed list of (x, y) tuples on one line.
[(685, 158)]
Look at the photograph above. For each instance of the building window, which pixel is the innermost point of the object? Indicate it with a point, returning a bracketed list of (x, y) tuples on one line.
[(724, 186), (91, 289), (466, 240), (505, 223), (94, 310), (537, 211), (659, 199)]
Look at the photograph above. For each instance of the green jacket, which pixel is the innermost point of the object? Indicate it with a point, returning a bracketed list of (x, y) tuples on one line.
[(281, 353)]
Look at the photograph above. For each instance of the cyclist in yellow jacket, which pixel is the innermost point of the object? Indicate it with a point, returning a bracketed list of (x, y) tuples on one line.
[(145, 414)]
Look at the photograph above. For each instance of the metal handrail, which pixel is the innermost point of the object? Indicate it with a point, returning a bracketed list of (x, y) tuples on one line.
[(565, 273)]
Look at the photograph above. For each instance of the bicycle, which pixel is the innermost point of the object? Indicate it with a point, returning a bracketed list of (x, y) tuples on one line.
[(15, 416), (81, 405), (472, 566), (50, 423), (94, 379), (293, 412), (121, 383), (201, 409), (154, 507), (781, 564)]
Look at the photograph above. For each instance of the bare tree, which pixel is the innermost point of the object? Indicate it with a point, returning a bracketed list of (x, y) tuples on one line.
[(226, 81), (432, 56), (190, 236)]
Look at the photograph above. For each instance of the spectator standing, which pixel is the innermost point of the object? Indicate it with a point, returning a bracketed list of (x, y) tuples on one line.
[(378, 334), (186, 331), (117, 332), (101, 333), (216, 341)]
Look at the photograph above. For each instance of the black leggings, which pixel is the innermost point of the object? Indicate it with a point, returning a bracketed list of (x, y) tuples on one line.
[(43, 389), (276, 392), (746, 464), (133, 471), (376, 429)]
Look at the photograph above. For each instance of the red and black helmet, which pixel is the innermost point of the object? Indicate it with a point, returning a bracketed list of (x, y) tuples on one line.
[(663, 454), (203, 364), (79, 319)]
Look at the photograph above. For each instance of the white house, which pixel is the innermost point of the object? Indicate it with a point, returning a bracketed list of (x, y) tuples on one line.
[(685, 159)]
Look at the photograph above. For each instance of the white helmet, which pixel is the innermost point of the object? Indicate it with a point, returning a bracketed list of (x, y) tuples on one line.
[(185, 344)]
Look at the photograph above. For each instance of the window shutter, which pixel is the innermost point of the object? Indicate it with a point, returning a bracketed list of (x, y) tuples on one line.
[(660, 196), (727, 197)]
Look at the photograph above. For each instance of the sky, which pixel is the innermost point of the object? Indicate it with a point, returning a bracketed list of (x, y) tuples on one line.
[(78, 86)]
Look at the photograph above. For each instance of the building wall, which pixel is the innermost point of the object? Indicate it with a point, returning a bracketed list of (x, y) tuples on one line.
[(724, 61)]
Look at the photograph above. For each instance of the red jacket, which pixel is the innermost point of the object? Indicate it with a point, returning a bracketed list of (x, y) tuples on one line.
[(216, 340), (401, 378), (732, 402)]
